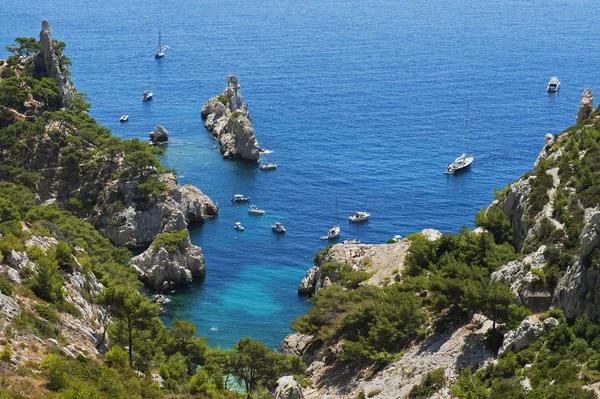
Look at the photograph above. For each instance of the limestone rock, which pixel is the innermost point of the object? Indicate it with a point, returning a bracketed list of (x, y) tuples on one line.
[(550, 323), (586, 105), (228, 120), (431, 234), (47, 63), (311, 283), (288, 388), (159, 135), (163, 270), (514, 204), (8, 307), (524, 284), (296, 344), (528, 332), (137, 226), (590, 234), (18, 260)]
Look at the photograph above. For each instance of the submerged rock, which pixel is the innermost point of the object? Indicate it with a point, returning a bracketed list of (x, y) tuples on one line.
[(159, 135), (228, 120), (164, 268)]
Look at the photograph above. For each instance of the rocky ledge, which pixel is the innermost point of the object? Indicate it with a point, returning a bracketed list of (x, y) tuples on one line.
[(228, 120), (133, 225), (167, 263)]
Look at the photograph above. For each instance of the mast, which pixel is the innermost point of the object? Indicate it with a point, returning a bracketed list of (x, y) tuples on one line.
[(337, 216), (159, 43), (466, 130)]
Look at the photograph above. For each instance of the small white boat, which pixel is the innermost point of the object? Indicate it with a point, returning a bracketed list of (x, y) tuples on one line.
[(359, 217), (462, 162), (333, 233), (278, 228), (147, 95), (238, 226), (351, 241), (255, 211), (239, 198), (124, 118), (268, 166), (553, 84)]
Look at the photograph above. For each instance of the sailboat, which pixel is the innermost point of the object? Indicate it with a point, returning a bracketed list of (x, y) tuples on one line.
[(161, 49), (334, 232), (147, 94), (462, 162)]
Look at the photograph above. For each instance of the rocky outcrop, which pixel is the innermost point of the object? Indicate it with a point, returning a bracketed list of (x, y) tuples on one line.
[(514, 204), (297, 344), (159, 135), (526, 286), (528, 333), (586, 105), (164, 269), (133, 225), (228, 120), (48, 62), (311, 283), (288, 388)]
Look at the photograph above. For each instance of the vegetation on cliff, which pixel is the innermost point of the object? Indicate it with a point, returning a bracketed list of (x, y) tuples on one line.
[(67, 295)]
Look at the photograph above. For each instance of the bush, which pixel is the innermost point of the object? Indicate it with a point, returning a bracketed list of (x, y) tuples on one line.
[(431, 383), (6, 288), (6, 353), (170, 240), (47, 312)]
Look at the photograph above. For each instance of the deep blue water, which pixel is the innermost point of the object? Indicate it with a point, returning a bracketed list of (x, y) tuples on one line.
[(360, 100)]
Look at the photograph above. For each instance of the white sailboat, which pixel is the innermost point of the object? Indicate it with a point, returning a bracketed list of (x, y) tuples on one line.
[(334, 232), (161, 49), (147, 94), (462, 162)]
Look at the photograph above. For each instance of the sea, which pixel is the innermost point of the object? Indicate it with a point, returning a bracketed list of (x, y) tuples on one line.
[(359, 101)]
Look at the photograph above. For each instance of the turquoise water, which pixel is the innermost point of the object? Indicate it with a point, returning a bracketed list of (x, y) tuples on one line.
[(360, 100)]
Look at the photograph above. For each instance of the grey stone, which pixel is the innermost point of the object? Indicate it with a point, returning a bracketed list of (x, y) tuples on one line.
[(159, 135), (288, 388), (528, 332), (586, 105)]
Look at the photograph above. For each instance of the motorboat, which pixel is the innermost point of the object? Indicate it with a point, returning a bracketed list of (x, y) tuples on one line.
[(161, 49), (239, 198), (238, 226), (463, 161), (278, 228), (255, 211), (351, 241), (553, 84), (124, 118), (268, 166), (147, 95), (359, 217)]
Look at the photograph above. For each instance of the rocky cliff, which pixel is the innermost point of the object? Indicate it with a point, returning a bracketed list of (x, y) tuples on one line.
[(167, 264), (50, 62), (228, 120), (136, 222)]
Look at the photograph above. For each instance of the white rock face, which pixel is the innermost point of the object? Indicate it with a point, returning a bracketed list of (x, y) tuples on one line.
[(47, 64), (159, 135), (514, 204), (134, 226), (231, 124), (288, 388), (164, 270), (528, 332), (586, 105), (296, 343), (524, 284), (311, 282)]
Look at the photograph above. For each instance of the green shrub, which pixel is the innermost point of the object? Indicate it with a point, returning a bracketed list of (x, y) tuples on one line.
[(6, 353), (373, 392), (6, 288), (153, 187), (170, 240), (47, 312), (431, 383), (222, 98)]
